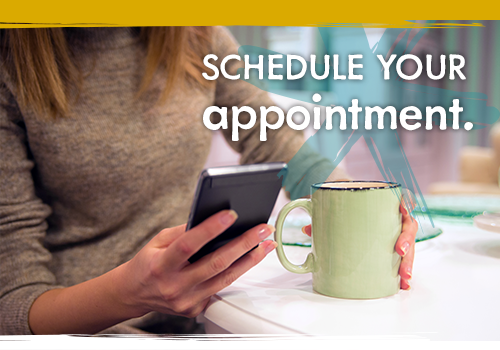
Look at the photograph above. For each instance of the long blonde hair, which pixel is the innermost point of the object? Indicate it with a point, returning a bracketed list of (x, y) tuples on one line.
[(40, 63)]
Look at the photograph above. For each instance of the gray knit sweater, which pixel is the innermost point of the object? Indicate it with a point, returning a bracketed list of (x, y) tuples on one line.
[(81, 195)]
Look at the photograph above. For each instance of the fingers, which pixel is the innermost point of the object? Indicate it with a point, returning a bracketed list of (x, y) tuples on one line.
[(220, 260), (307, 230), (241, 266), (408, 232), (405, 246), (167, 236), (405, 285), (191, 241), (191, 304), (405, 269)]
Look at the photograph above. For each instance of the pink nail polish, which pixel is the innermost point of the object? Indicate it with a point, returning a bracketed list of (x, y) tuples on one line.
[(405, 247), (264, 232), (229, 217), (270, 246)]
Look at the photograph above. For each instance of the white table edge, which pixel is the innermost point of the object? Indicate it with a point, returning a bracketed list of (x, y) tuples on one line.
[(252, 324)]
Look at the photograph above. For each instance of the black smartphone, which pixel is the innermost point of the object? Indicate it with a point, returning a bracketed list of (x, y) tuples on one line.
[(250, 190)]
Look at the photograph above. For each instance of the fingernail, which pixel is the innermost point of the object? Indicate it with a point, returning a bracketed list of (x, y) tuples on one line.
[(265, 231), (409, 287), (405, 247), (405, 209), (270, 246), (408, 271), (229, 217)]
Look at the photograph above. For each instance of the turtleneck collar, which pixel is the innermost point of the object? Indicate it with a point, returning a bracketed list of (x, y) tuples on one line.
[(101, 38)]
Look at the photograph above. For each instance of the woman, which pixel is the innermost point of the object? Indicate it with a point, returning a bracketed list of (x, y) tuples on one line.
[(102, 142)]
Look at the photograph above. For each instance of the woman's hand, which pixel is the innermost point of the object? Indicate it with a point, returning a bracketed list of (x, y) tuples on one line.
[(405, 245), (160, 278)]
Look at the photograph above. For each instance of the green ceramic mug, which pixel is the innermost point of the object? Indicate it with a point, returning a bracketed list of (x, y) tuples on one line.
[(355, 226)]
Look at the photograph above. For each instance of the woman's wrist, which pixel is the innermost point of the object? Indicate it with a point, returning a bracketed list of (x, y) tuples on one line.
[(85, 308), (123, 294)]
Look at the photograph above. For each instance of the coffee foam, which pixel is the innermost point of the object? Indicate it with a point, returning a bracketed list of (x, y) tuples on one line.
[(354, 184)]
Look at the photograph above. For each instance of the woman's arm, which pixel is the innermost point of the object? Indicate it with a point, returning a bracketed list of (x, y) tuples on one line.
[(23, 258), (88, 307), (159, 278)]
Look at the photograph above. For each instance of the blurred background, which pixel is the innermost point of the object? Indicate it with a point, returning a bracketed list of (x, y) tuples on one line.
[(443, 162)]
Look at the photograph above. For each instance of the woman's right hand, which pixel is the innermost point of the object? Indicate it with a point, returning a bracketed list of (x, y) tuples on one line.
[(160, 278)]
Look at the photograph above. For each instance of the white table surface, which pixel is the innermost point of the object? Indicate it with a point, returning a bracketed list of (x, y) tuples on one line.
[(455, 295)]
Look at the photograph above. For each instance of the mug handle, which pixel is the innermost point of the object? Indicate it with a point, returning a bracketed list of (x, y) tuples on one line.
[(308, 265)]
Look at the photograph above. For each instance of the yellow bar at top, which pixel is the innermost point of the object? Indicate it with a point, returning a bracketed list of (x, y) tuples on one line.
[(386, 13)]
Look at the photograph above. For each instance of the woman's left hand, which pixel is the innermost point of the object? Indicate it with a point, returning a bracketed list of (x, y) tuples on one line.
[(405, 245)]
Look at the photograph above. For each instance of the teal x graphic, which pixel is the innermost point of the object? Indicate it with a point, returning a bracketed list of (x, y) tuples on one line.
[(322, 152)]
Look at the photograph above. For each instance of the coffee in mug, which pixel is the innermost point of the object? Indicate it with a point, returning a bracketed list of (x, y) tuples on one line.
[(355, 226)]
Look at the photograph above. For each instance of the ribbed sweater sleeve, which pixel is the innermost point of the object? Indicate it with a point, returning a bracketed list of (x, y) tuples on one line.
[(23, 274)]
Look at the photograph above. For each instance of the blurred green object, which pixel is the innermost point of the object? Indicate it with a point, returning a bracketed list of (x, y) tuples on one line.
[(457, 209), (426, 231)]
